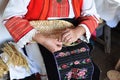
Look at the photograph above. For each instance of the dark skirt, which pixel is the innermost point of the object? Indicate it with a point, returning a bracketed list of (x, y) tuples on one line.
[(73, 62)]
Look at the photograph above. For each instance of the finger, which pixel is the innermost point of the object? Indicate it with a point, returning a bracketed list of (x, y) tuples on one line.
[(60, 38), (53, 51), (69, 40), (65, 36), (57, 48), (66, 30), (59, 43)]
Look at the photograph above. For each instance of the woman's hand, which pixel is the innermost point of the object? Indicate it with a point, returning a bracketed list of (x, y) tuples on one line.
[(51, 44), (72, 34)]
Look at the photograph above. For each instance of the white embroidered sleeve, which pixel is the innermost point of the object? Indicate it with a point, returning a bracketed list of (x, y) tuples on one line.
[(27, 38), (18, 8)]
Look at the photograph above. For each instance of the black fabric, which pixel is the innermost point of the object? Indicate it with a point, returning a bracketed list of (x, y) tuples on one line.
[(24, 50), (96, 73), (52, 69), (68, 57), (74, 21), (49, 63)]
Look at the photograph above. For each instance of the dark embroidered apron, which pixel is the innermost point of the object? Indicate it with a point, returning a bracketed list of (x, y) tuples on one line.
[(70, 63), (74, 62)]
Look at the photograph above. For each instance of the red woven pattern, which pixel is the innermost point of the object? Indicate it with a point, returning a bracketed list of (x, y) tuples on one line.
[(18, 27)]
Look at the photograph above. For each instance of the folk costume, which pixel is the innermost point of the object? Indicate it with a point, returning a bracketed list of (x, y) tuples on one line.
[(18, 14)]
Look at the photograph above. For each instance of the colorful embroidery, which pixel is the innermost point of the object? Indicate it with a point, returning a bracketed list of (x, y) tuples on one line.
[(77, 62), (74, 62), (77, 51), (76, 73)]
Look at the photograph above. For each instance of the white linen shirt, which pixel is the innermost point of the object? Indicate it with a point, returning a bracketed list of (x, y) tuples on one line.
[(19, 8)]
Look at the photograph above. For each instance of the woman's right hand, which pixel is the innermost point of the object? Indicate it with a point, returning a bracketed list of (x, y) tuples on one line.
[(51, 44)]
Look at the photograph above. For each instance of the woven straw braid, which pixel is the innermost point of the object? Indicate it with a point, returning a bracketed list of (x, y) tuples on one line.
[(51, 28)]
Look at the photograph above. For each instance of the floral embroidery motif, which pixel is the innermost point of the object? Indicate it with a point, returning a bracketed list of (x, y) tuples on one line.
[(77, 62), (76, 73), (74, 63), (77, 51)]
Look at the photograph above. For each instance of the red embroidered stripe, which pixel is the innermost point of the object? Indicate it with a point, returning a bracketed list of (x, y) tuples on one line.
[(35, 8), (59, 9), (45, 9), (90, 22), (77, 6), (12, 21), (18, 27)]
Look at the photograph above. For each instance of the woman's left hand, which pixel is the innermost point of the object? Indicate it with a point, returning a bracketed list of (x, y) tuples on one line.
[(72, 34)]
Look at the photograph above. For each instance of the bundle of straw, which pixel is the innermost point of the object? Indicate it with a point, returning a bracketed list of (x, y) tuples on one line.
[(51, 28), (14, 57), (3, 68)]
